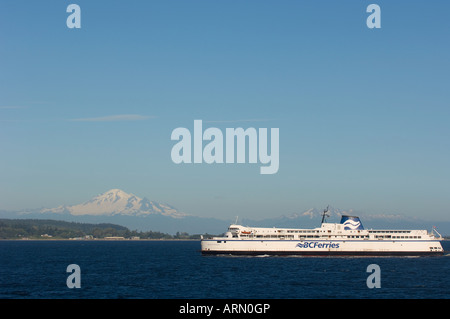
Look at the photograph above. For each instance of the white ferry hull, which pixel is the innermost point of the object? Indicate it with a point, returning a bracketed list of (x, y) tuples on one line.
[(321, 248)]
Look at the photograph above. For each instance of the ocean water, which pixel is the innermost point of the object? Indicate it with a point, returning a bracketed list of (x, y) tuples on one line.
[(176, 269)]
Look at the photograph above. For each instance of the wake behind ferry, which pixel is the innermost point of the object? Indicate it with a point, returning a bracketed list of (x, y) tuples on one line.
[(347, 238)]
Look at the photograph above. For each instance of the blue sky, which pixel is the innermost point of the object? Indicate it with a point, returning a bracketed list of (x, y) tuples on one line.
[(363, 114)]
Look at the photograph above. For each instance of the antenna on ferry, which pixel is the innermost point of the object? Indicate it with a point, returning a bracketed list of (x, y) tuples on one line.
[(236, 220), (325, 214)]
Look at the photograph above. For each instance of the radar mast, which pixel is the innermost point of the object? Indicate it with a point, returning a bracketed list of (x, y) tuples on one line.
[(325, 214)]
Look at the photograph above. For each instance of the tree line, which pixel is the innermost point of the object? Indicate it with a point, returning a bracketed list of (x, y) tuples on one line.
[(45, 228)]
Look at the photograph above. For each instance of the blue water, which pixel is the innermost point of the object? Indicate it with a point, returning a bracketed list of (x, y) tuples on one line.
[(176, 269)]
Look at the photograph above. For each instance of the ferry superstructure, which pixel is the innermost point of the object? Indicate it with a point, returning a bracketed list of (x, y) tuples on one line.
[(347, 238)]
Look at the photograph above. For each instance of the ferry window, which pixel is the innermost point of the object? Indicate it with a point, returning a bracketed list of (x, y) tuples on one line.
[(219, 241)]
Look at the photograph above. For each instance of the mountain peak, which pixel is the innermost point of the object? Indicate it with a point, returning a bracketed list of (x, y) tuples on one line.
[(115, 192)]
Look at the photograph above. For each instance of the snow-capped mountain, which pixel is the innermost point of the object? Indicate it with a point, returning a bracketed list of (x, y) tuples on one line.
[(117, 202), (332, 214), (312, 218)]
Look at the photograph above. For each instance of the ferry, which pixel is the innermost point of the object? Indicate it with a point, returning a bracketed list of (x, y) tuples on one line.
[(347, 238)]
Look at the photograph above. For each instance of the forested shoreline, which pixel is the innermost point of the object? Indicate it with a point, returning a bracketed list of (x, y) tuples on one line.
[(55, 229)]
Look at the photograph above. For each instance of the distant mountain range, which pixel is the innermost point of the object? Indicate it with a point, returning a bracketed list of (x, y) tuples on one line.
[(118, 207)]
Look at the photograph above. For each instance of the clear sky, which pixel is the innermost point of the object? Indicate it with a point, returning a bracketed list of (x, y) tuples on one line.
[(363, 113)]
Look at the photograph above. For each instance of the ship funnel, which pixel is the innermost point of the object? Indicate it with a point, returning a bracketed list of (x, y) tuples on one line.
[(351, 223)]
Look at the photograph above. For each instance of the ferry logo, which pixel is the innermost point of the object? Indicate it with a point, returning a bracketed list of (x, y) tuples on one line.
[(351, 223), (315, 244)]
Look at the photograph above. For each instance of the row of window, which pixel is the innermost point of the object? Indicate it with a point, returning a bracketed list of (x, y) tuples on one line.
[(390, 231), (370, 231), (399, 237), (326, 236), (303, 231)]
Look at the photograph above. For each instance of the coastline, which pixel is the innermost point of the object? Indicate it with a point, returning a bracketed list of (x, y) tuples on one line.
[(97, 239)]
